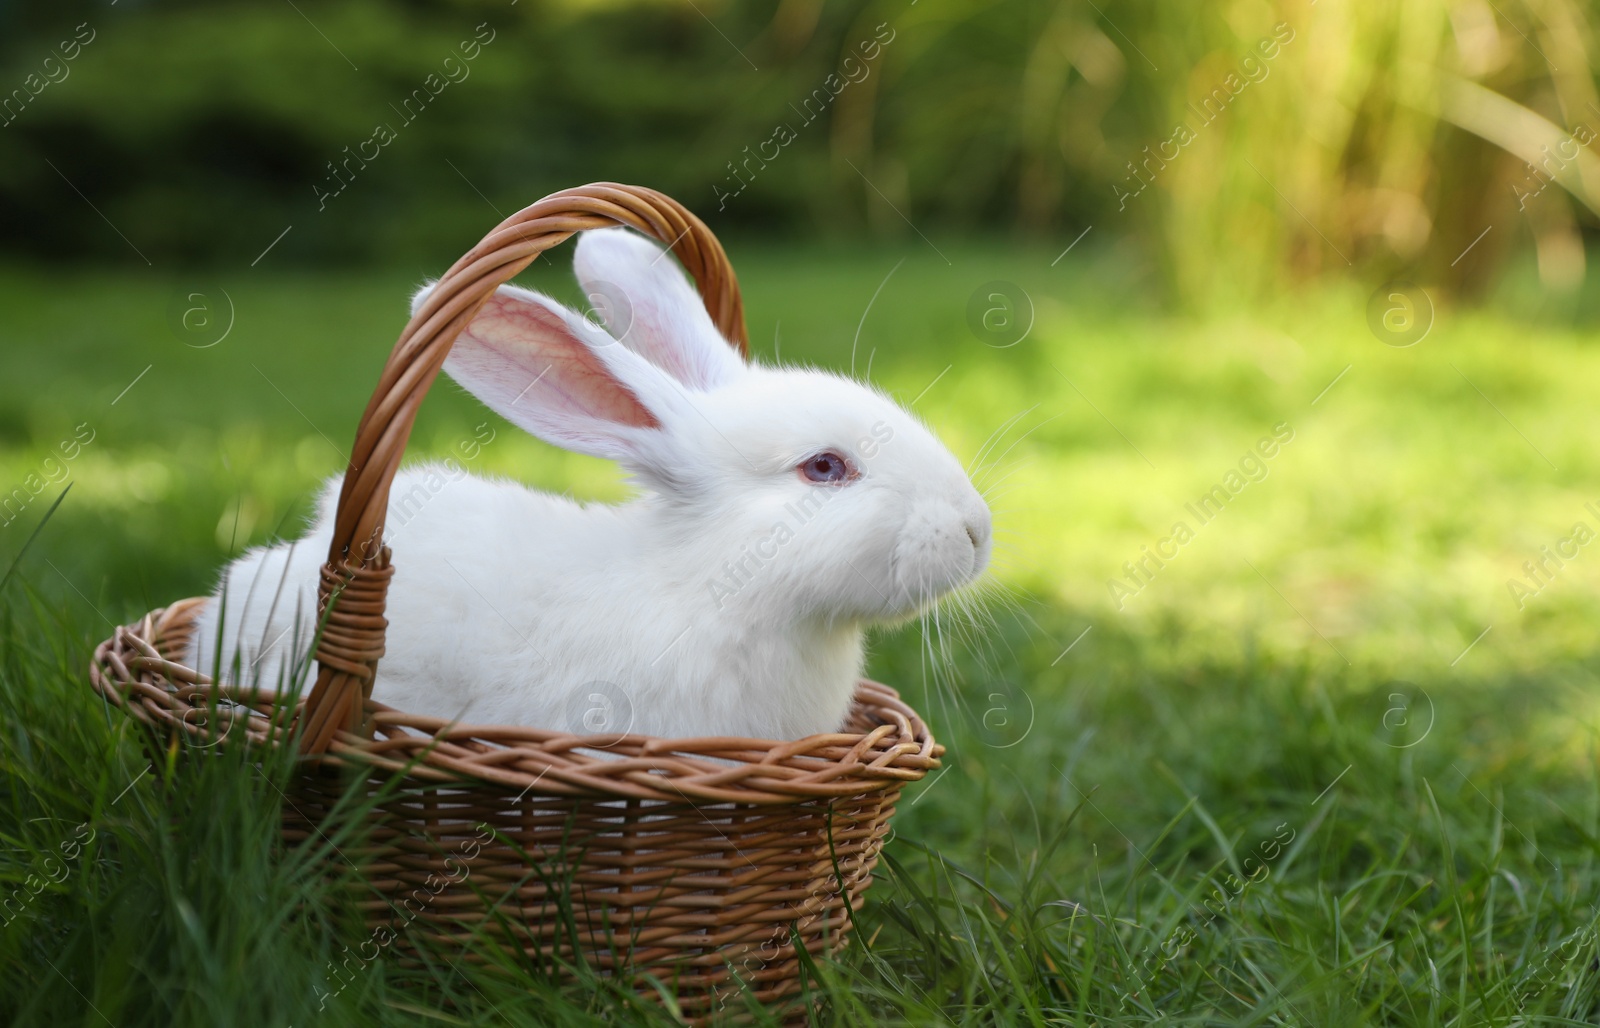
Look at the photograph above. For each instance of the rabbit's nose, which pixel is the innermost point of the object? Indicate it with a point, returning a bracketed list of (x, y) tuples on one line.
[(977, 524), (980, 531)]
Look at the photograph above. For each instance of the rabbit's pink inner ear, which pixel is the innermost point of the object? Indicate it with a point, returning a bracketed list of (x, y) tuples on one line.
[(538, 347)]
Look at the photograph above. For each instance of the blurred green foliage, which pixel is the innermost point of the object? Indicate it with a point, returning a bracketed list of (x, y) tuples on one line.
[(1237, 146)]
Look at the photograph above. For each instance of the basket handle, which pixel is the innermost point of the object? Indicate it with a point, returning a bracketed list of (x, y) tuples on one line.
[(358, 570)]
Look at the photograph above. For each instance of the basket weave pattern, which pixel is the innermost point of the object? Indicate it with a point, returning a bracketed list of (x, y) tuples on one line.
[(696, 861)]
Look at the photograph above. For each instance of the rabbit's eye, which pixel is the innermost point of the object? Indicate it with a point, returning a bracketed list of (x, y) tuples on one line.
[(828, 468)]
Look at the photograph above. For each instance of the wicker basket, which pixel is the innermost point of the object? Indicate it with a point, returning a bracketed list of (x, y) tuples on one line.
[(697, 862)]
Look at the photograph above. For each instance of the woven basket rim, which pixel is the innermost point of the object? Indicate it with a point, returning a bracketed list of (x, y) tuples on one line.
[(139, 669)]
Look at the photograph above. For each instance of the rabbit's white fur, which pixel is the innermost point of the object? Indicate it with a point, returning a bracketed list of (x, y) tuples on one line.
[(729, 598)]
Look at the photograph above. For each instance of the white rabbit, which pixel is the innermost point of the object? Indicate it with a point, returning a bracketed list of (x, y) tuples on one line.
[(781, 511)]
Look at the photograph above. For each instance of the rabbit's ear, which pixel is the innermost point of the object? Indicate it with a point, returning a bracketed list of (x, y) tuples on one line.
[(550, 371), (646, 301)]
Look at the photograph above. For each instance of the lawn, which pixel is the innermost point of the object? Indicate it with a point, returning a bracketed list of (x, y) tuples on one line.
[(1316, 762)]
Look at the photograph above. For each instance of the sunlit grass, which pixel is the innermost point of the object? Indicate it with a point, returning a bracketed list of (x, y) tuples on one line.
[(1412, 491), (1268, 679)]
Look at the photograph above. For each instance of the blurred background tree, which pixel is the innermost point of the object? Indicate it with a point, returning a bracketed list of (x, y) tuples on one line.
[(1377, 139)]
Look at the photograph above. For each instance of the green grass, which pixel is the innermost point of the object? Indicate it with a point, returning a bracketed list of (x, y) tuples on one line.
[(1291, 700)]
